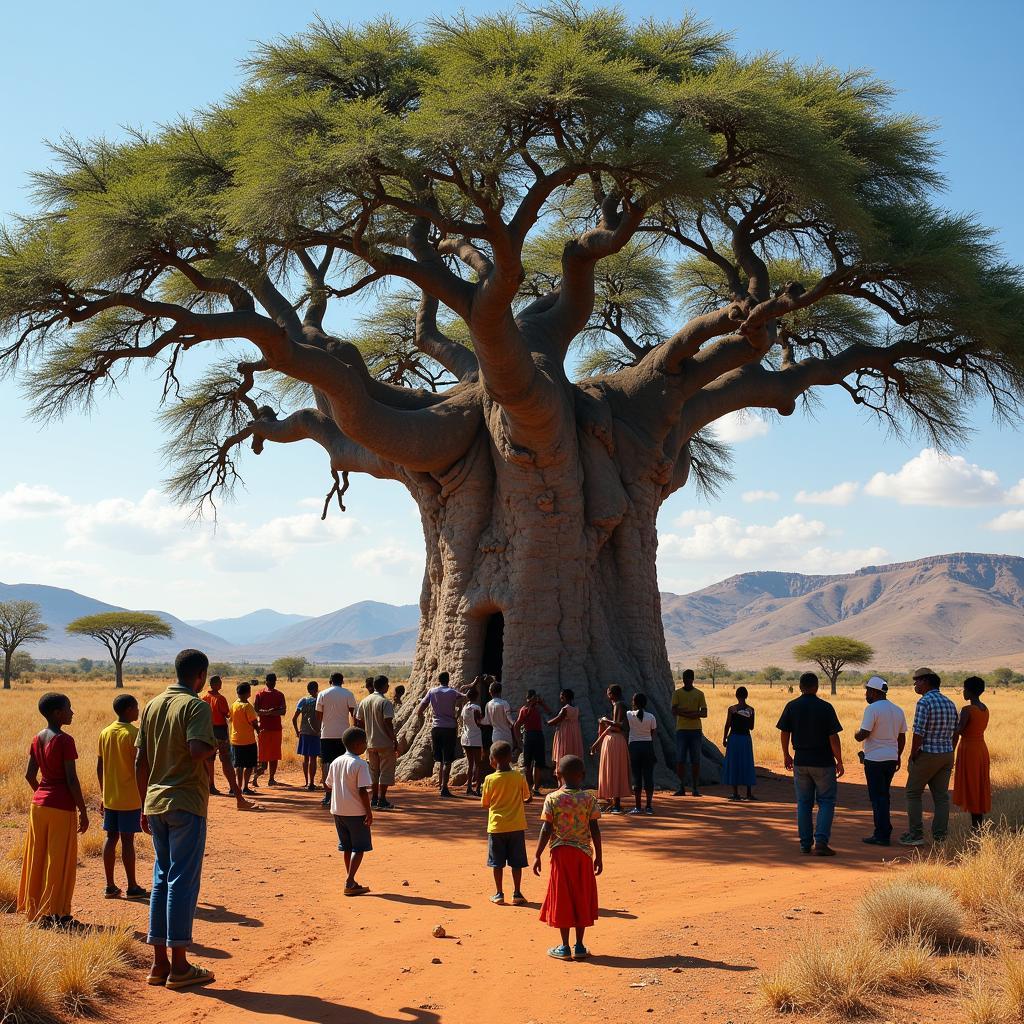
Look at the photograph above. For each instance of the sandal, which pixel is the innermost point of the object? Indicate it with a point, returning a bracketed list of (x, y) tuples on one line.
[(193, 976), (112, 892), (156, 979), (560, 953)]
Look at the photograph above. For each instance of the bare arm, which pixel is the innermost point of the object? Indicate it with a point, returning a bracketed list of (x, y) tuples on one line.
[(542, 842), (295, 721), (728, 728), (364, 796), (787, 758), (99, 777), (961, 725), (557, 718), (389, 728), (595, 835), (71, 777), (901, 742), (32, 773), (200, 751), (837, 753)]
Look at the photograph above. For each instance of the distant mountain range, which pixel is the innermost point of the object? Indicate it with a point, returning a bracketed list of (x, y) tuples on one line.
[(958, 610)]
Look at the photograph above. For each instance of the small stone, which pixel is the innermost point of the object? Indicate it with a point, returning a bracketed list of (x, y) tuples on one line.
[(677, 970), (436, 960), (398, 920), (458, 942), (695, 943), (817, 911), (439, 932), (406, 884), (406, 970)]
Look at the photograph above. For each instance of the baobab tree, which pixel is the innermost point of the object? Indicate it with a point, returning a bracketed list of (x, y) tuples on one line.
[(574, 243)]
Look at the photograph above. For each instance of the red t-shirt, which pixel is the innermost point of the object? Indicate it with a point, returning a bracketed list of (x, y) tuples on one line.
[(53, 784), (529, 718), (218, 707), (269, 700)]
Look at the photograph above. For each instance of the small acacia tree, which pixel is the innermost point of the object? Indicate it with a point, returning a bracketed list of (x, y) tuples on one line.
[(772, 674), (20, 623), (833, 653), (711, 666), (1002, 675), (576, 243), (291, 666), (119, 632)]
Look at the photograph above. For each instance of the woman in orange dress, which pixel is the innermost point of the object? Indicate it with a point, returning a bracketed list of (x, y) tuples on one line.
[(613, 782), (972, 788)]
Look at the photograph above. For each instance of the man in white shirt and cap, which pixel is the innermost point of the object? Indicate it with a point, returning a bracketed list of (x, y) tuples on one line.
[(883, 732)]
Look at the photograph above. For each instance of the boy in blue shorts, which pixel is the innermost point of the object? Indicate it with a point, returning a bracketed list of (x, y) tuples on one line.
[(505, 794), (122, 805), (307, 732), (349, 782)]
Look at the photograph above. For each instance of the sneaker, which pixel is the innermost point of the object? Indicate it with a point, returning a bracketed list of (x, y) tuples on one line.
[(697, 792), (111, 892), (805, 850), (448, 794), (823, 850), (648, 810), (326, 802), (580, 952), (939, 837), (911, 839), (560, 953), (375, 803), (634, 810), (680, 792), (518, 899), (875, 841), (136, 892), (356, 890), (615, 810), (385, 805), (498, 897)]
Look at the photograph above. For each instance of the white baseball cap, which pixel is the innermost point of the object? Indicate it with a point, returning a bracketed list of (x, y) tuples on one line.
[(877, 683)]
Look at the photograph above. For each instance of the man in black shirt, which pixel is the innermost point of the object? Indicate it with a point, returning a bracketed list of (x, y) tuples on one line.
[(816, 763)]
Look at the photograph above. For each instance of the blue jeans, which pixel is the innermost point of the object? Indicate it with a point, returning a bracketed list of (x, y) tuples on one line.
[(179, 841), (813, 783), (878, 775)]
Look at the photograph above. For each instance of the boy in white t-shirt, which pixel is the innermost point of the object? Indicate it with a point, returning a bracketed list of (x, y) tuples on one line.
[(349, 782), (883, 732), (499, 713)]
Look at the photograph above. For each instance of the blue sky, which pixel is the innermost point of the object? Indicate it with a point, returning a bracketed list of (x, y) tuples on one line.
[(80, 502)]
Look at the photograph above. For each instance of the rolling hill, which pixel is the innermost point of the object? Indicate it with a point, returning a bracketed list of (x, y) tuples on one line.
[(59, 607), (957, 610), (951, 610)]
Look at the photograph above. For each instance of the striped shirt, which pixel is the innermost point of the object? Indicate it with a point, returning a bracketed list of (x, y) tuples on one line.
[(935, 720)]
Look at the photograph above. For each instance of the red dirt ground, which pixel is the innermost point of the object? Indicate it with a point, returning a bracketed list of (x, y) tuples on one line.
[(695, 901)]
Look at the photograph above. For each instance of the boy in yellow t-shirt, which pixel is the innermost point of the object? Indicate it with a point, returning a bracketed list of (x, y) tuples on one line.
[(505, 794), (122, 804), (243, 725)]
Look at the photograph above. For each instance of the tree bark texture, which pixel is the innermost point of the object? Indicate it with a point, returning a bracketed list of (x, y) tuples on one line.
[(562, 543)]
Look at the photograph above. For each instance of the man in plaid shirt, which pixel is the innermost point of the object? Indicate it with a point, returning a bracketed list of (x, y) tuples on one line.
[(931, 758)]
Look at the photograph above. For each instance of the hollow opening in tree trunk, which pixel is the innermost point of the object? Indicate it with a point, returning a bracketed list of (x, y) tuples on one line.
[(494, 640)]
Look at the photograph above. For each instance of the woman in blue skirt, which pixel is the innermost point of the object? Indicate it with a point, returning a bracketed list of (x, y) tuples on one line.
[(738, 767)]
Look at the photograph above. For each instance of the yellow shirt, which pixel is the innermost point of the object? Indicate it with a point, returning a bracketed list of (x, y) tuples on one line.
[(504, 794), (117, 749), (688, 700), (240, 730)]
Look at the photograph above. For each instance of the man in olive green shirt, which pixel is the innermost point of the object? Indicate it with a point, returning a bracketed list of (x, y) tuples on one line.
[(175, 740), (689, 707)]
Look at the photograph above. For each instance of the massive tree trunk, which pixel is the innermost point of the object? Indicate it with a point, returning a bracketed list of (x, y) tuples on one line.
[(541, 569)]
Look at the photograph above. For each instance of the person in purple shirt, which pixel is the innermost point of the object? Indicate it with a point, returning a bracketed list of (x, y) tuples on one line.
[(444, 702)]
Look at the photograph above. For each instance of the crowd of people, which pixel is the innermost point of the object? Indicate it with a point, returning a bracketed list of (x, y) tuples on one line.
[(157, 777)]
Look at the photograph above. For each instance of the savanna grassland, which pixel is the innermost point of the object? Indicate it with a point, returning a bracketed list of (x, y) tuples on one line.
[(906, 937)]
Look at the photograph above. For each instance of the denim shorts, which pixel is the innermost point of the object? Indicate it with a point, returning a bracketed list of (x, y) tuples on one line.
[(122, 821), (507, 849), (688, 745)]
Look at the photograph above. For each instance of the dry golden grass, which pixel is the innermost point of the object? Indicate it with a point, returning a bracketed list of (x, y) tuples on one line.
[(911, 966), (1013, 987), (843, 979), (9, 879), (981, 1005), (46, 977), (905, 909)]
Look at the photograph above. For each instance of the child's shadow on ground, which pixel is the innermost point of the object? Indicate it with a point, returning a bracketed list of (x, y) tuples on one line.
[(686, 962), (418, 901), (219, 914)]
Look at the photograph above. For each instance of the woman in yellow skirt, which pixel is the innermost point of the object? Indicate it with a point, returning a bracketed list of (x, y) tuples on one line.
[(51, 847)]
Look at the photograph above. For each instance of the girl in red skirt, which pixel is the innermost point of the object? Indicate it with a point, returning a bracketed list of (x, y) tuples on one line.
[(569, 823)]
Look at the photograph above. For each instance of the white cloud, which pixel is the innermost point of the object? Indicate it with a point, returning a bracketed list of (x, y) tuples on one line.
[(145, 527), (740, 426), (792, 542), (841, 494), (390, 559), (30, 501), (932, 478), (1008, 521), (752, 496), (1015, 495)]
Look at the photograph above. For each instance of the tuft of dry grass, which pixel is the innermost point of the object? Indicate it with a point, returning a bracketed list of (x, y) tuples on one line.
[(1013, 987), (27, 992), (843, 979), (910, 965), (90, 843), (9, 882), (981, 1005), (902, 909)]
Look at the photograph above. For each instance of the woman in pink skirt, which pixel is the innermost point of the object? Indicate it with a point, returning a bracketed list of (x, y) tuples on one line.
[(568, 738), (613, 782)]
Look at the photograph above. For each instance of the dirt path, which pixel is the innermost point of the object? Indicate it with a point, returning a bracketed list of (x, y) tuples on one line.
[(695, 901)]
